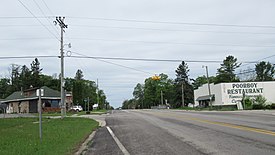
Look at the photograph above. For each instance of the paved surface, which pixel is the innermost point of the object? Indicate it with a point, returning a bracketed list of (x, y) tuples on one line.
[(159, 132)]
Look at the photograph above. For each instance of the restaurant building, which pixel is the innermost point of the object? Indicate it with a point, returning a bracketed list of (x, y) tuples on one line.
[(233, 93)]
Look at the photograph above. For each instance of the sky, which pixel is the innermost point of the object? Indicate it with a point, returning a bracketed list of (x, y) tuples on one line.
[(197, 30)]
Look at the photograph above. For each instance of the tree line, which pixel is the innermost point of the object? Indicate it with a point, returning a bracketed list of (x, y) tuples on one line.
[(149, 93), (24, 77)]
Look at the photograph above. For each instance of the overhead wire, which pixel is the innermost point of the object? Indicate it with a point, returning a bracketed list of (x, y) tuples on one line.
[(114, 64), (149, 21), (37, 19), (175, 43), (45, 16), (169, 22), (175, 30)]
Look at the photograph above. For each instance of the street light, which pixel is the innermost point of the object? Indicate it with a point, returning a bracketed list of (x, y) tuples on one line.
[(210, 97)]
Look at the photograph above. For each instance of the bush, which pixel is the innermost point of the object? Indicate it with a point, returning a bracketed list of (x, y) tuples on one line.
[(259, 102), (272, 106), (247, 103)]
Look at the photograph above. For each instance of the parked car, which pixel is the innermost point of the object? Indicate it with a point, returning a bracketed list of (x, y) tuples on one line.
[(76, 108)]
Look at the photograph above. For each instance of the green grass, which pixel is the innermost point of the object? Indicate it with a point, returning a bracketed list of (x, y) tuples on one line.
[(20, 136), (94, 112), (53, 114)]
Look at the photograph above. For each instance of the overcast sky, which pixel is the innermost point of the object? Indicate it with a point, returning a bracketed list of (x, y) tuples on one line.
[(194, 30)]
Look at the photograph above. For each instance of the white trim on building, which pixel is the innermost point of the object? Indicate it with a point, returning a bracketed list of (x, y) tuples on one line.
[(233, 93)]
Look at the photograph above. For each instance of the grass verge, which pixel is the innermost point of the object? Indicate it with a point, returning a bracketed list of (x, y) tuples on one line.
[(94, 112), (60, 137)]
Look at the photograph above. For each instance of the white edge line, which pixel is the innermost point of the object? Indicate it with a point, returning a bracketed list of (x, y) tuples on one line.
[(122, 148)]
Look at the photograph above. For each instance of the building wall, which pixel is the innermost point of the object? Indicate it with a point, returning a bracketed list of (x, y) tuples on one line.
[(13, 107), (232, 93), (24, 107)]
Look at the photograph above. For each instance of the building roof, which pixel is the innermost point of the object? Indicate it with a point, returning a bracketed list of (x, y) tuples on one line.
[(206, 97), (19, 95)]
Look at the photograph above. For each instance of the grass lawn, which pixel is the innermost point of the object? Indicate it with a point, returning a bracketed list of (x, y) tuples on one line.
[(60, 137), (94, 112)]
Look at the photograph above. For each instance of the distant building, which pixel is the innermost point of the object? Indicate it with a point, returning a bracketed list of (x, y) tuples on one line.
[(233, 93), (27, 101)]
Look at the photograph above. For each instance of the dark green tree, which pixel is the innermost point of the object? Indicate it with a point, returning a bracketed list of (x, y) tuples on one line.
[(264, 71), (201, 80), (4, 88), (78, 88), (35, 73), (25, 77), (227, 69), (138, 94), (182, 80), (79, 75), (15, 78)]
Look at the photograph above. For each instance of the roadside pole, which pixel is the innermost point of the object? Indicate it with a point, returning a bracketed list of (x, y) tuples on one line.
[(40, 114), (88, 103)]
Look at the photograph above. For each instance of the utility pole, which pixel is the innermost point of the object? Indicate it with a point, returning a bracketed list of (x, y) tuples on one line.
[(97, 95), (62, 25), (182, 94), (88, 103), (208, 83), (161, 97)]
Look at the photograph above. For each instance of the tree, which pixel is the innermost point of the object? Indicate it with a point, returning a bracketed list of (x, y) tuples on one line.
[(78, 88), (182, 80), (201, 80), (264, 71), (139, 94), (4, 87), (35, 73), (79, 75), (15, 78), (227, 69), (25, 77)]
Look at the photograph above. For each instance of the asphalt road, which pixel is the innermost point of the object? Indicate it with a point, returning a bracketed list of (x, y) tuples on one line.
[(169, 132)]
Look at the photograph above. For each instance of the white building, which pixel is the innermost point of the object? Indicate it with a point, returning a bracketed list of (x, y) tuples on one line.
[(233, 93)]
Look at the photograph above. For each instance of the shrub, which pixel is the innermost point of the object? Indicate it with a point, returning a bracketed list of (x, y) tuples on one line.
[(248, 103), (259, 102)]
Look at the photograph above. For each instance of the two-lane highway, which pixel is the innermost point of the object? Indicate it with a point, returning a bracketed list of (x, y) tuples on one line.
[(182, 132)]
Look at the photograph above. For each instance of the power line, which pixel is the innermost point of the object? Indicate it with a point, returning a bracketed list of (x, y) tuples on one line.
[(175, 30), (45, 15), (114, 63), (149, 21), (33, 38), (28, 57), (82, 56), (48, 7), (37, 19), (25, 17), (181, 23), (152, 60), (176, 43), (260, 59)]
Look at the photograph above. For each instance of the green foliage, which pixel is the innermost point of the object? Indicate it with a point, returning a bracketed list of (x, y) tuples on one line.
[(264, 71), (227, 69), (138, 94), (259, 102), (23, 78), (35, 72), (201, 80), (248, 103), (21, 135), (182, 74)]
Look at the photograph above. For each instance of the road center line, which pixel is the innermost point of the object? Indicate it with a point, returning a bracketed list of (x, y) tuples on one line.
[(239, 127), (119, 144)]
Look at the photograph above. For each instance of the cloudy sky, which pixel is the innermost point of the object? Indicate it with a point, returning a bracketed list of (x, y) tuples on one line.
[(197, 30)]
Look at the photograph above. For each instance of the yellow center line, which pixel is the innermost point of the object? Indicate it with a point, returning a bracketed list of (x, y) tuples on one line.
[(239, 127)]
